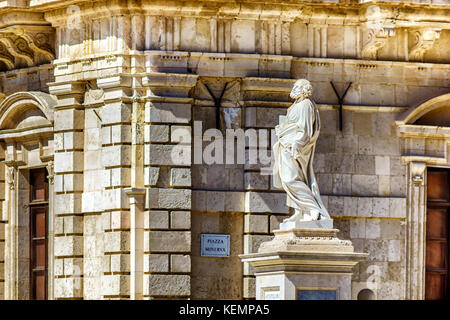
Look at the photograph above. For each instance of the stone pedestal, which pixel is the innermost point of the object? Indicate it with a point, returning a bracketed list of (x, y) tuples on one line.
[(304, 264)]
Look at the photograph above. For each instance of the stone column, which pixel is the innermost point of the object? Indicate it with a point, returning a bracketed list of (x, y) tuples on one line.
[(68, 170), (116, 117), (9, 246), (3, 221), (137, 197), (415, 232), (167, 165), (51, 230)]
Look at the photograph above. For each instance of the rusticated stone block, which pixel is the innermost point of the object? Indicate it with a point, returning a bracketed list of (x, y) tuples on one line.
[(58, 265), (249, 287), (69, 119), (120, 263), (168, 113), (73, 224), (265, 202), (118, 112), (397, 207), (68, 246), (256, 181), (68, 161), (117, 241), (170, 241), (67, 203), (180, 263), (175, 155), (116, 156), (167, 285), (180, 220), (156, 263), (156, 220), (168, 198), (73, 266), (252, 242), (256, 223), (156, 133), (180, 177), (68, 287), (115, 285), (120, 220)]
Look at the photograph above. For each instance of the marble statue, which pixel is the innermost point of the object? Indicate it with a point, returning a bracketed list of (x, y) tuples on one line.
[(297, 134)]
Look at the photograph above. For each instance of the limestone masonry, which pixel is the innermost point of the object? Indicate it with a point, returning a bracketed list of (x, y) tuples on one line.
[(101, 193)]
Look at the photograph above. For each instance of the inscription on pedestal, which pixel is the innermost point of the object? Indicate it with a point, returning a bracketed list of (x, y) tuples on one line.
[(272, 295), (316, 294)]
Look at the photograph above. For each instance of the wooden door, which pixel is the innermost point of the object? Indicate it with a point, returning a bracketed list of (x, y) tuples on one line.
[(38, 233), (437, 235)]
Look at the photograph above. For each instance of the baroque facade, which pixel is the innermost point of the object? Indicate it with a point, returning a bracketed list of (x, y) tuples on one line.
[(101, 196)]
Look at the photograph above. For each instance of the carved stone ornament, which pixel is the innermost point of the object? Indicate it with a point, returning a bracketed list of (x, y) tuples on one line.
[(418, 172), (423, 41), (307, 240), (26, 46), (373, 40), (51, 172), (10, 177)]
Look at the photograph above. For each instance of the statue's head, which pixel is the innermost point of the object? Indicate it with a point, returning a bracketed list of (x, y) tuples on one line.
[(302, 90)]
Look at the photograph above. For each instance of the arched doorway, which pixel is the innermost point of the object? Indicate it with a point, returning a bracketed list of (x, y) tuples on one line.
[(26, 137), (425, 131)]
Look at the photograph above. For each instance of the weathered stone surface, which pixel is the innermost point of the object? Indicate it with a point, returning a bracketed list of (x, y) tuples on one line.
[(180, 263), (180, 177), (168, 113), (156, 263), (168, 198), (167, 285), (156, 220), (256, 223), (180, 220), (266, 202), (170, 241)]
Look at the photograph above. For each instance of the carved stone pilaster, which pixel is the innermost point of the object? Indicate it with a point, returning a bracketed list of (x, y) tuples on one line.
[(373, 39), (418, 172), (423, 41), (415, 232)]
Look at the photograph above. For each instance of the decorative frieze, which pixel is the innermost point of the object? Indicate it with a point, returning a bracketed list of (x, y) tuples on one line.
[(26, 46)]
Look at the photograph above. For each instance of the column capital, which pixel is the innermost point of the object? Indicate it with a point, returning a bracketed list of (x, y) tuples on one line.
[(418, 172), (136, 194)]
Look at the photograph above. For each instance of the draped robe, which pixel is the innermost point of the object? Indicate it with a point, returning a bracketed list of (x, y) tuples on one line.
[(300, 131)]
